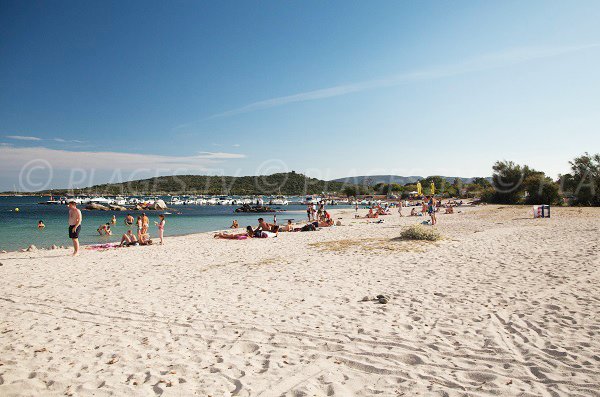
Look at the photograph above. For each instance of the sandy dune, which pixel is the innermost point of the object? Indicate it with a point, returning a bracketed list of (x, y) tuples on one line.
[(504, 305)]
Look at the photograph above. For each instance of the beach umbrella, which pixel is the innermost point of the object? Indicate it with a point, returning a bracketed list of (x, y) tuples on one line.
[(419, 189), (432, 188)]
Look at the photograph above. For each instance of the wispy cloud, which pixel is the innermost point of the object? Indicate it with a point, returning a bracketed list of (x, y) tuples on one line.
[(23, 138), (37, 139), (481, 63), (15, 157), (66, 140), (220, 155), (68, 168)]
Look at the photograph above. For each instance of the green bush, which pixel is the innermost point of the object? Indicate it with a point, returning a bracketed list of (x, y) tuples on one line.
[(487, 195), (418, 232), (583, 183), (541, 190)]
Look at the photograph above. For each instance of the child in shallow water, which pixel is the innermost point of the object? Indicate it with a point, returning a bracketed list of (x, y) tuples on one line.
[(161, 227)]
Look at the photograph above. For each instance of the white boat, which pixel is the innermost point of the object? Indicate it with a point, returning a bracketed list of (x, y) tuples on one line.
[(149, 200), (176, 201), (120, 200), (100, 200)]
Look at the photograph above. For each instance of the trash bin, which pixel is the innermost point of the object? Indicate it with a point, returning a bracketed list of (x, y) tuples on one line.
[(541, 211)]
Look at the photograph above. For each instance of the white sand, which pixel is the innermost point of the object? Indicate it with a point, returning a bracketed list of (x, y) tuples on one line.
[(505, 305)]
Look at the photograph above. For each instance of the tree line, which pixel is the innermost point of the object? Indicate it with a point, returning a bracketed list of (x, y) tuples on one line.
[(511, 183)]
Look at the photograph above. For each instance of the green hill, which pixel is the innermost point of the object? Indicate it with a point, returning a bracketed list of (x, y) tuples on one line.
[(290, 183)]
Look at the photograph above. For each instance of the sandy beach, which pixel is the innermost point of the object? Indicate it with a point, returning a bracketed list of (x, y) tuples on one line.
[(504, 305)]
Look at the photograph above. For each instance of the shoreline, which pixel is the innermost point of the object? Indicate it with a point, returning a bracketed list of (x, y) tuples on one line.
[(47, 247)]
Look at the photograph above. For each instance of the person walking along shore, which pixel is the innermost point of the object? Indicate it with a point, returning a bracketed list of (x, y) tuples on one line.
[(75, 219)]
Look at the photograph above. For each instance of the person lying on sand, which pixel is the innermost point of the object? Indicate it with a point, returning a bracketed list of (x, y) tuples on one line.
[(266, 230), (309, 227), (128, 239), (371, 214), (236, 236), (287, 228), (267, 227), (264, 234)]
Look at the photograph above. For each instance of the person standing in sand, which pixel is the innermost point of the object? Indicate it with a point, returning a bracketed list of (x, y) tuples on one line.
[(75, 220), (138, 224), (145, 223), (161, 227), (431, 210)]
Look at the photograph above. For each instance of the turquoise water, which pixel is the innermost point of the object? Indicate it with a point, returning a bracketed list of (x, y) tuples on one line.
[(19, 229)]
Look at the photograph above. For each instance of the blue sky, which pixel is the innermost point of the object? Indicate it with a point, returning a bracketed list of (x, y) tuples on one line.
[(123, 90)]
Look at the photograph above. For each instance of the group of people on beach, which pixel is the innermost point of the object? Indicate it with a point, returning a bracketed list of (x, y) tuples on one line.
[(315, 211), (263, 230), (142, 224), (142, 237), (317, 219), (430, 206)]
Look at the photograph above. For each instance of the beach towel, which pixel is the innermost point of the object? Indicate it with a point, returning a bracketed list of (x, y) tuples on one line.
[(101, 247)]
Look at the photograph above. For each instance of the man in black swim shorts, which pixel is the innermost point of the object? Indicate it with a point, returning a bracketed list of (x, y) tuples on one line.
[(75, 219)]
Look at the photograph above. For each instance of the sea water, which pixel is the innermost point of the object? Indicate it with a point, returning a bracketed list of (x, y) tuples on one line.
[(19, 229)]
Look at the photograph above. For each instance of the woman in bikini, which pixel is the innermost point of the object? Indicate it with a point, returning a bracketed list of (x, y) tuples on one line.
[(236, 236), (138, 224)]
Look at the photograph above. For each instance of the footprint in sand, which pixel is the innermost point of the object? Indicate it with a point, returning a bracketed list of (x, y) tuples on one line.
[(411, 359), (244, 348), (481, 376)]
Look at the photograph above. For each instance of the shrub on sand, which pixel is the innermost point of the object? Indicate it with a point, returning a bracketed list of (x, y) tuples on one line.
[(418, 232)]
